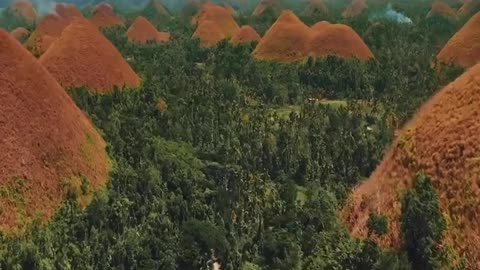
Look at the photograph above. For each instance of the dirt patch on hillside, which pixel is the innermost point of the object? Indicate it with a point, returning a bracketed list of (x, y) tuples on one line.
[(442, 140), (286, 40), (246, 34), (46, 141), (463, 48), (142, 31), (82, 56), (339, 40)]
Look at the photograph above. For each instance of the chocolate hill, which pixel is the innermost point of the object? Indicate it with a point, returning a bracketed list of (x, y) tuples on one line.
[(319, 26), (468, 7), (286, 40), (142, 31), (51, 27), (219, 15), (82, 56), (442, 140), (159, 7), (25, 10), (265, 5), (209, 33), (20, 33), (48, 145), (68, 11), (463, 49), (339, 40), (246, 34), (314, 7), (442, 9), (355, 8), (105, 17), (218, 19)]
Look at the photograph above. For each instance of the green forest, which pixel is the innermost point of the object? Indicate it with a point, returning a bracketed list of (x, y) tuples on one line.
[(219, 157)]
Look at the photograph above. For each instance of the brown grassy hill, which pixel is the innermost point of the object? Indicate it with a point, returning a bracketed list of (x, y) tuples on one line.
[(25, 10), (218, 15), (209, 33), (105, 17), (442, 9), (20, 33), (82, 56), (142, 31), (339, 40), (468, 7), (68, 11), (315, 6), (319, 26), (246, 34), (442, 140), (355, 8), (159, 7), (48, 145), (102, 6), (286, 40), (463, 48), (265, 5), (50, 28)]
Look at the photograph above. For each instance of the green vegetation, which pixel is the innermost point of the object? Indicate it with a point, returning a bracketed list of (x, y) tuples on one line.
[(257, 186), (423, 226), (377, 224)]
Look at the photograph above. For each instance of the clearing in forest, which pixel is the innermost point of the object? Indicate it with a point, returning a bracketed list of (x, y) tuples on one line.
[(441, 140), (463, 49), (49, 148), (82, 56)]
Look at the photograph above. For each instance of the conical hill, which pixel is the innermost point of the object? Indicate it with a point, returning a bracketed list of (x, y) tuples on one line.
[(49, 148), (142, 31), (82, 56), (442, 141), (286, 40), (463, 49)]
